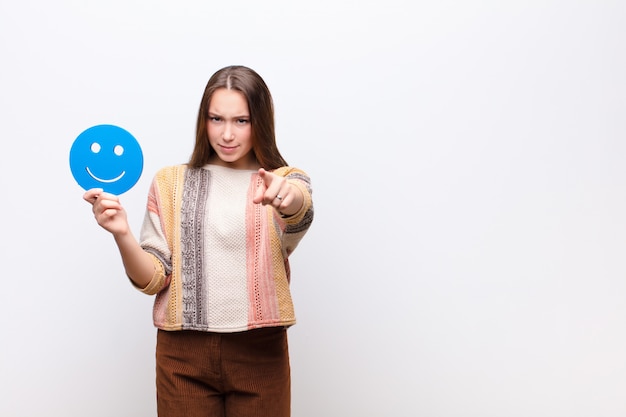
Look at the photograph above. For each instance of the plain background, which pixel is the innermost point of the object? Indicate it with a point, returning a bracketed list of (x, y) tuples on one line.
[(468, 252)]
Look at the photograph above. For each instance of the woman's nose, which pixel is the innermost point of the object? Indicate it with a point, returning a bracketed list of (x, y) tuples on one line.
[(228, 134)]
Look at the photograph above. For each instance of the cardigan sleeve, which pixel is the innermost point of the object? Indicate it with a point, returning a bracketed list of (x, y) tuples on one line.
[(153, 239), (298, 223)]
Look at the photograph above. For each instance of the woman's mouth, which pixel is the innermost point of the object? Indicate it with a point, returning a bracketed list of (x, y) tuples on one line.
[(228, 149)]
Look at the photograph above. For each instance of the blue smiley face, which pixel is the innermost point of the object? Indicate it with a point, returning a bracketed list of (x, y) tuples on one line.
[(107, 157)]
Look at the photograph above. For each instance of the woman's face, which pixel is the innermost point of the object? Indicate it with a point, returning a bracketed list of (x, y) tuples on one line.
[(230, 131)]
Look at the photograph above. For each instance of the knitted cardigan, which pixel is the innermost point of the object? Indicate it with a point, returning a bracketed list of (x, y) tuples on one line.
[(171, 235)]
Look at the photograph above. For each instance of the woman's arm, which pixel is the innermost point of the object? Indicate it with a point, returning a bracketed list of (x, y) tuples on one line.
[(111, 216)]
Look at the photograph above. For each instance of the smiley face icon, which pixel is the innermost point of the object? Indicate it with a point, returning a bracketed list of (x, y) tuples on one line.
[(107, 157)]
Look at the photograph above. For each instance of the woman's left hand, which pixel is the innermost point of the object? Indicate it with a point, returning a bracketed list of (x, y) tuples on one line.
[(279, 193)]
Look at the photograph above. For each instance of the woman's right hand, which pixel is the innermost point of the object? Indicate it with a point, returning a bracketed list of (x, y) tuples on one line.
[(108, 211)]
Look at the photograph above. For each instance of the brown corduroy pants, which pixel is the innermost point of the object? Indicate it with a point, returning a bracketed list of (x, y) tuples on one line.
[(202, 374)]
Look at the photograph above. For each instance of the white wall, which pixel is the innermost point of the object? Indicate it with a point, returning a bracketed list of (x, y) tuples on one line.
[(468, 158)]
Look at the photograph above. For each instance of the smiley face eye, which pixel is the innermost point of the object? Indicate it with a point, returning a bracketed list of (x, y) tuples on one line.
[(119, 150), (95, 147)]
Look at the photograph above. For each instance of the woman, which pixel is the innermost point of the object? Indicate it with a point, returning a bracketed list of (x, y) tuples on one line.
[(214, 249)]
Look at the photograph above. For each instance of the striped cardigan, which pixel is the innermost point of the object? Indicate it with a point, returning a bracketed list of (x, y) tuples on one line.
[(174, 233)]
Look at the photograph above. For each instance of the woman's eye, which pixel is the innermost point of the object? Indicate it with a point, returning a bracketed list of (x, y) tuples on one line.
[(242, 121), (215, 119)]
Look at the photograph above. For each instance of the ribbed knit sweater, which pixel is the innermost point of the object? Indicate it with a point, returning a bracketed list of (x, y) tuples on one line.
[(221, 261)]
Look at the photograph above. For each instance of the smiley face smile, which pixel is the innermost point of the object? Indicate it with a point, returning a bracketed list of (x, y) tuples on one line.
[(119, 177)]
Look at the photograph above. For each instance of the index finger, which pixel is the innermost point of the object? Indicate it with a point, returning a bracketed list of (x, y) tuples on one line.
[(267, 176)]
